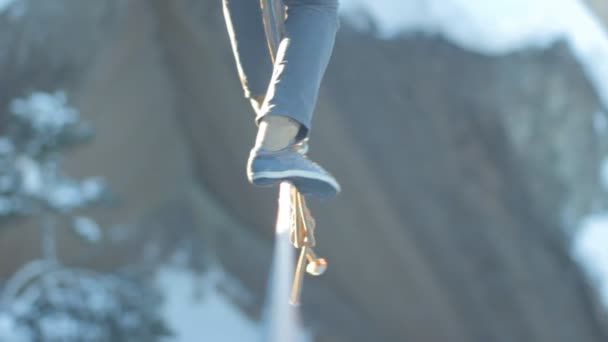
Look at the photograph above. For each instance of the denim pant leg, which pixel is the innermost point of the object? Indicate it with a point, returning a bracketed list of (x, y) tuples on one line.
[(248, 40), (302, 59)]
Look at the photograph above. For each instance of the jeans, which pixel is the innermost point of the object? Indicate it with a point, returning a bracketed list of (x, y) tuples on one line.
[(290, 87)]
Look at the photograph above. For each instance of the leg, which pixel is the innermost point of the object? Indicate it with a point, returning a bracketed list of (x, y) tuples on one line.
[(301, 61), (300, 64), (291, 96), (248, 40), (254, 66)]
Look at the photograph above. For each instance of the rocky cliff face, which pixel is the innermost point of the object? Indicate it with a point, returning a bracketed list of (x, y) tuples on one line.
[(460, 171), (600, 7)]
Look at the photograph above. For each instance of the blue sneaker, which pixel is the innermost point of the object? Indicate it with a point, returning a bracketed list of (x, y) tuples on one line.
[(267, 168)]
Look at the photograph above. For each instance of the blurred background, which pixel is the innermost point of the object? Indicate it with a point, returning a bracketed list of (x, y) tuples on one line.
[(470, 138)]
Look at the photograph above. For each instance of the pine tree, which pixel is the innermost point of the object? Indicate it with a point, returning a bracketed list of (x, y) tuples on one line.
[(44, 300)]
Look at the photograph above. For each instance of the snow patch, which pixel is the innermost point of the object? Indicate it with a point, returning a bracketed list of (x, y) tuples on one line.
[(590, 249), (196, 308), (497, 26)]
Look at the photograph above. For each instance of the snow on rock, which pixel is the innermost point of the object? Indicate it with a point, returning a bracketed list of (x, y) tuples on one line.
[(590, 249), (195, 309), (497, 26), (494, 27)]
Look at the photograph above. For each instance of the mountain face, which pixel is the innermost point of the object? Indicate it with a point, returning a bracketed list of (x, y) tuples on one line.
[(600, 8), (462, 173)]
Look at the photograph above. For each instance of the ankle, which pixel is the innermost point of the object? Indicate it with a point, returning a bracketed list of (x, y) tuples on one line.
[(277, 132)]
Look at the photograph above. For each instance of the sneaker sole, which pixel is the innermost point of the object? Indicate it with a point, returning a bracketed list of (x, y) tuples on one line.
[(302, 180)]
